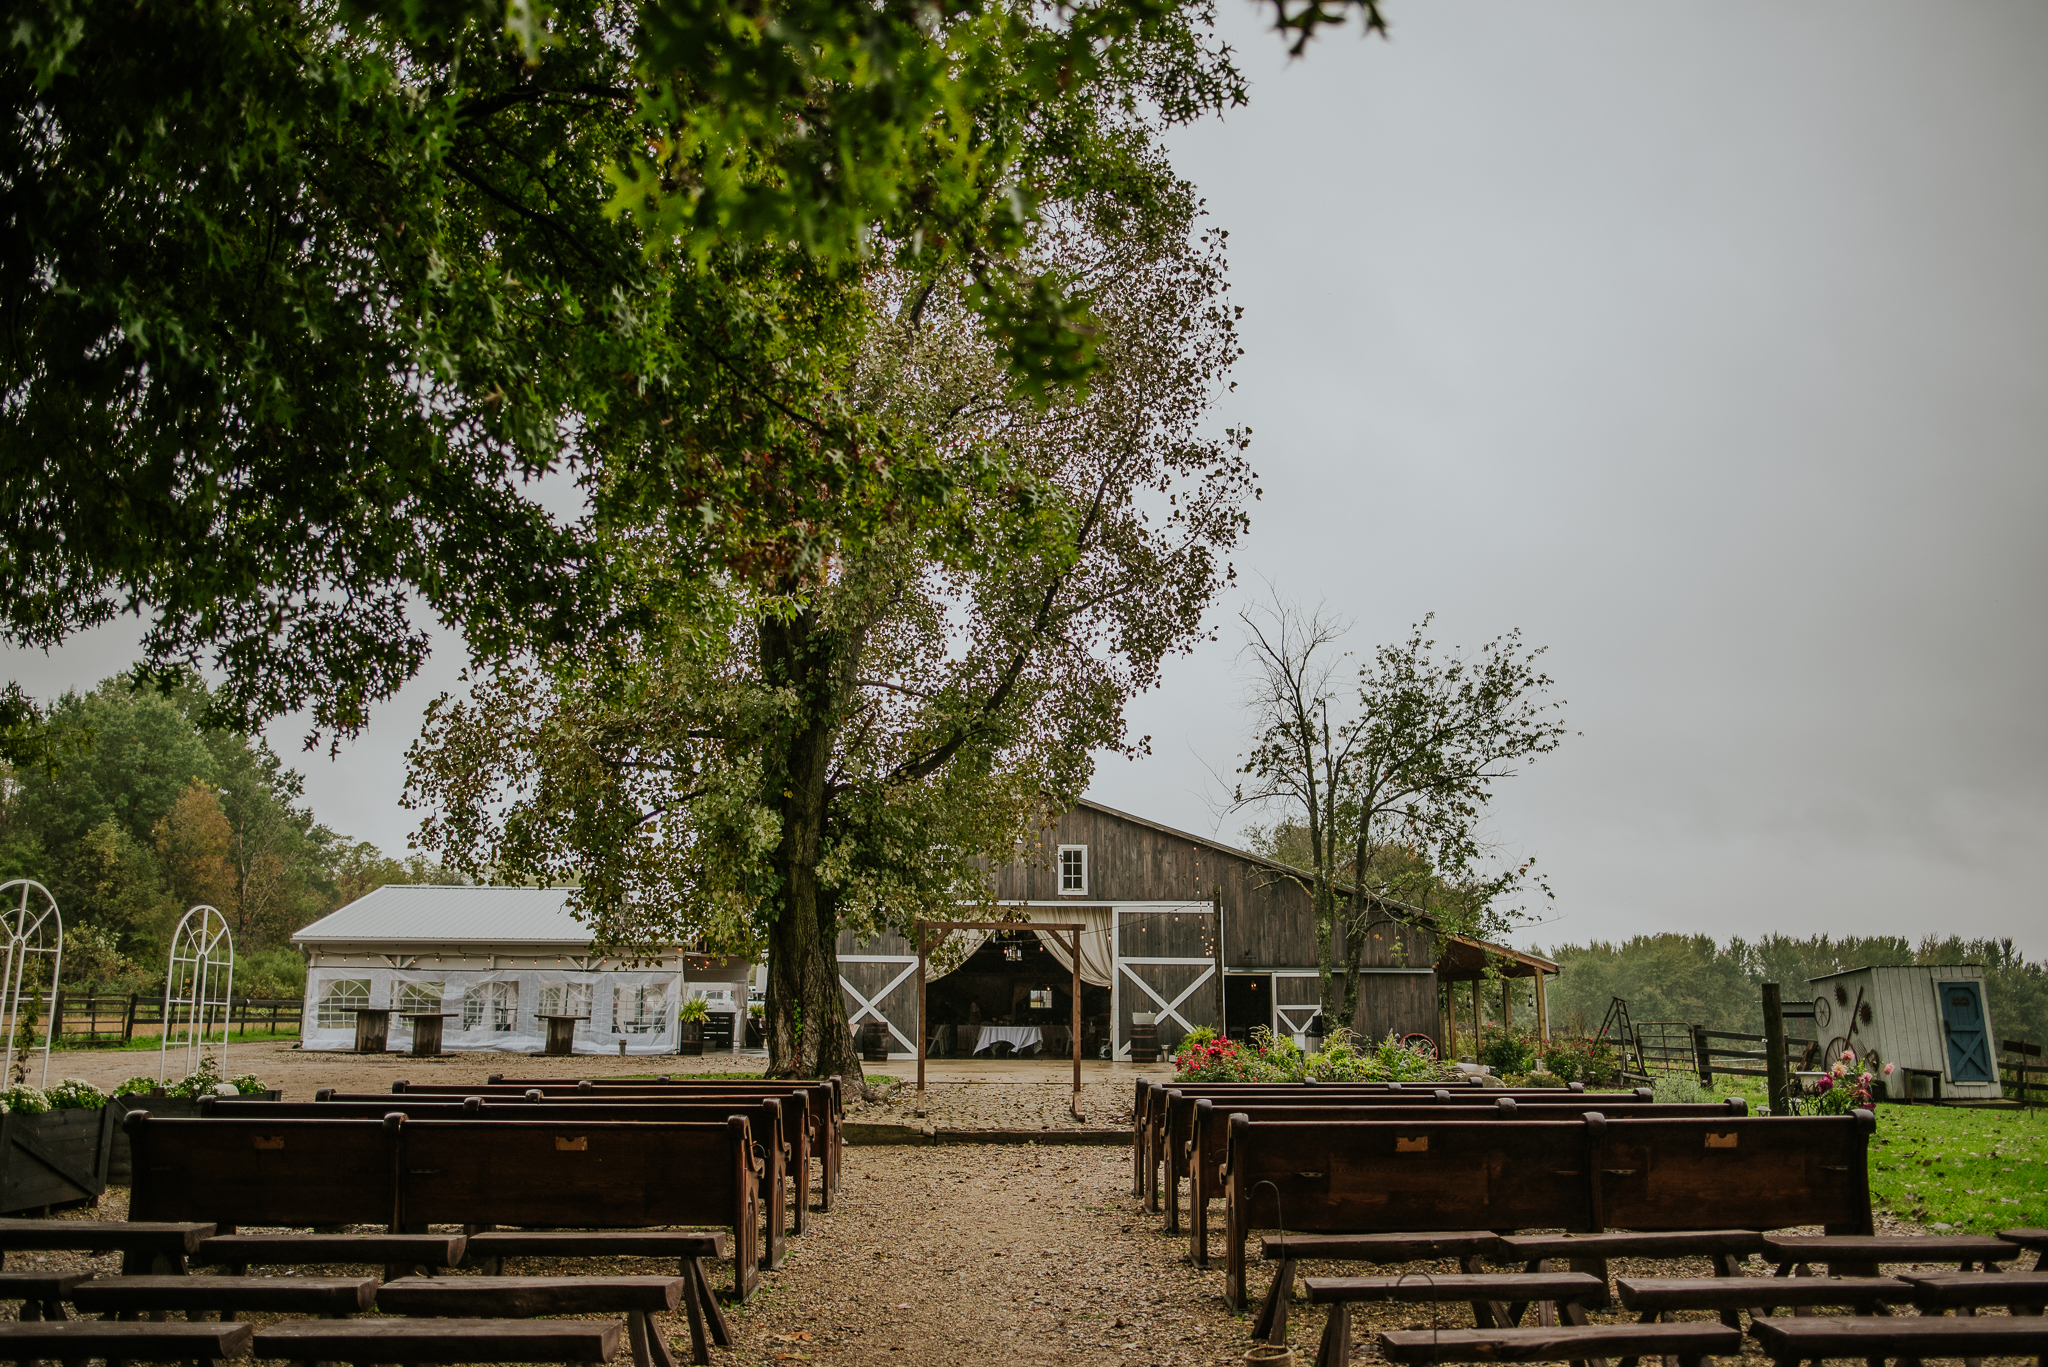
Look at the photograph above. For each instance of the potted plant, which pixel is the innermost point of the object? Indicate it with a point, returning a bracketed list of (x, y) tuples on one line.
[(179, 1099), (70, 1132), (757, 1026), (690, 1026)]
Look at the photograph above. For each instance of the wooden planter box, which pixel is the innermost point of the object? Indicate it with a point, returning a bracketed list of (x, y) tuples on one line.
[(58, 1158)]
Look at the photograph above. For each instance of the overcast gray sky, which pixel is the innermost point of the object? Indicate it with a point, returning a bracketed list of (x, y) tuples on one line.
[(1708, 345)]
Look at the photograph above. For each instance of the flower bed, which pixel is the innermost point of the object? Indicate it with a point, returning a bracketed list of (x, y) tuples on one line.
[(1203, 1057)]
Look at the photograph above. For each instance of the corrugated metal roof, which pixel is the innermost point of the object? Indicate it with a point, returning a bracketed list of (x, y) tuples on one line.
[(443, 915)]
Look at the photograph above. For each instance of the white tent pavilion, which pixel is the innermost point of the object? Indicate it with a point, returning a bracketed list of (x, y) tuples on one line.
[(495, 959)]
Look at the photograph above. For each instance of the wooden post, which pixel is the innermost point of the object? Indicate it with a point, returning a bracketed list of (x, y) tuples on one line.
[(1542, 1010), (1478, 1023), (1702, 1056), (1076, 1040), (1778, 1075), (1507, 1008), (918, 1110), (1450, 1053)]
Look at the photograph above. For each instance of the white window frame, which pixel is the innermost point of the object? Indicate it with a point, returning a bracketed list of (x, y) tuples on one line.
[(1061, 866), (492, 1007), (418, 996), (640, 1010), (339, 1000), (566, 999)]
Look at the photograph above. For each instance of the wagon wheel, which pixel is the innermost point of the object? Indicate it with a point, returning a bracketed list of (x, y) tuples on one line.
[(1410, 1041)]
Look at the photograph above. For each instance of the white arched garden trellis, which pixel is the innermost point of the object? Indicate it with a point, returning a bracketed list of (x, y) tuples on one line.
[(34, 932), (197, 989)]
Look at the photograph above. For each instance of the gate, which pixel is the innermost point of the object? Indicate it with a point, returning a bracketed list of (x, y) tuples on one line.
[(1165, 964)]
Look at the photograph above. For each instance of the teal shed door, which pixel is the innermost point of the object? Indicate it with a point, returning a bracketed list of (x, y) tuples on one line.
[(1962, 1021)]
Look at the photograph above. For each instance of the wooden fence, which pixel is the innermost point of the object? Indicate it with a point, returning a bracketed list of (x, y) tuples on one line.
[(1729, 1053), (86, 1018), (2014, 1071)]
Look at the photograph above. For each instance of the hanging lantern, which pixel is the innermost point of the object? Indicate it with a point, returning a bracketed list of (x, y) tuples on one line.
[(1013, 952)]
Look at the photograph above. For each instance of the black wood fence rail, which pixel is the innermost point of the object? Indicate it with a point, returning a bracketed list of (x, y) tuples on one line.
[(2020, 1061), (1728, 1053), (88, 1018)]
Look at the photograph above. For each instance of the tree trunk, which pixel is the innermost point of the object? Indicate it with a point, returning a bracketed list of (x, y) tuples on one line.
[(805, 1020)]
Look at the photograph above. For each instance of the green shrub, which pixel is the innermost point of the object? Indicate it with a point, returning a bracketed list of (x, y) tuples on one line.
[(136, 1086), (1679, 1089), (75, 1094), (1509, 1051)]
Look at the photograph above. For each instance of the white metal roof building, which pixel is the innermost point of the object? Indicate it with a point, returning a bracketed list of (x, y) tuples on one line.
[(494, 959)]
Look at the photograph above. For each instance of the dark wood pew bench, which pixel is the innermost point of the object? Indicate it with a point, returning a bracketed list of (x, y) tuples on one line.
[(786, 1147), (1939, 1292), (1688, 1344), (1655, 1297), (1468, 1246), (42, 1294), (688, 1247), (438, 1340), (1905, 1337), (398, 1254), (134, 1297), (144, 1245), (2035, 1239), (1497, 1299), (639, 1299), (118, 1341), (1861, 1255)]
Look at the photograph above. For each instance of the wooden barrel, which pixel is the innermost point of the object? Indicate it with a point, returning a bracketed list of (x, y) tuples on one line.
[(874, 1043), (1144, 1042), (690, 1038)]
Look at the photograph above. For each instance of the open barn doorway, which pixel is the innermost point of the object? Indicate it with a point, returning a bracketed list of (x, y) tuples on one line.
[(1012, 998), (1247, 1004)]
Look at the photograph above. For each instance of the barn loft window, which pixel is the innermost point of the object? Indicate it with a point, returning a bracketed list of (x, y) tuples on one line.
[(491, 1006), (339, 1001), (1073, 870)]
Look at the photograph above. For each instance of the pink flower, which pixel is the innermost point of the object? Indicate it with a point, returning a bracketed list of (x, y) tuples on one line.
[(1840, 1070), (1888, 1069), (1848, 1056)]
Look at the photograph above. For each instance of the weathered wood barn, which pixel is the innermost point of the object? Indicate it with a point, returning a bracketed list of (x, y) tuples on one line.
[(1176, 925)]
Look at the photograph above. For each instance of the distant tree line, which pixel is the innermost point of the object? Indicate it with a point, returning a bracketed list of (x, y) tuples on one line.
[(1693, 978), (147, 812)]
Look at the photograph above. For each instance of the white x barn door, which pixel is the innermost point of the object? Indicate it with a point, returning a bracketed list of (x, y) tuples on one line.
[(861, 1006), (1166, 965)]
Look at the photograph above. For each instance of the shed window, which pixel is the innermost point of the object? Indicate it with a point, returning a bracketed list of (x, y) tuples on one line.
[(491, 1006), (339, 1001), (1073, 870)]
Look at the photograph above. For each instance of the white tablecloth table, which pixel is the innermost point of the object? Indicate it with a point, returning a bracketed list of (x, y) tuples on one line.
[(1019, 1037)]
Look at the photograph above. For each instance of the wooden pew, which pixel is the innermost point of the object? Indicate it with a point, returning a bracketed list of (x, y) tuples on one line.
[(639, 1299), (1594, 1174), (786, 1148), (421, 1341), (69, 1341), (1904, 1337), (822, 1115), (688, 1247), (1204, 1132), (394, 1172), (1690, 1345), (132, 1297), (1154, 1144)]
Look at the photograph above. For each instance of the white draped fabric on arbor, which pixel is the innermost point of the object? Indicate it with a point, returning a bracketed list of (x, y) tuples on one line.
[(1098, 957)]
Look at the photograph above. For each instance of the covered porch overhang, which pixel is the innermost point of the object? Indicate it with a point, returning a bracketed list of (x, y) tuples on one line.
[(1461, 959)]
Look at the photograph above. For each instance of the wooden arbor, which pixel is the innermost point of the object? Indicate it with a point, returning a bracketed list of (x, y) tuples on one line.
[(1072, 929)]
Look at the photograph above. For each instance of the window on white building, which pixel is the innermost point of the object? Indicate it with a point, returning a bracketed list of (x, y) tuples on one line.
[(491, 1006), (1073, 870), (419, 997), (565, 999), (339, 1001), (640, 1010)]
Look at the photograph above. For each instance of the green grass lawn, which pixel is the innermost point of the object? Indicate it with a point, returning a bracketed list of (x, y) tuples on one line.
[(1976, 1172), (1951, 1168), (151, 1043)]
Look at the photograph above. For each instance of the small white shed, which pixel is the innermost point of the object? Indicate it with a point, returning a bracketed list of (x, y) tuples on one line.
[(495, 959), (1931, 1019)]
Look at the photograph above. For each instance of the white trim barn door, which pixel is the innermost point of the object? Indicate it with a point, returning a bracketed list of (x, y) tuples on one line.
[(878, 980), (1165, 964)]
